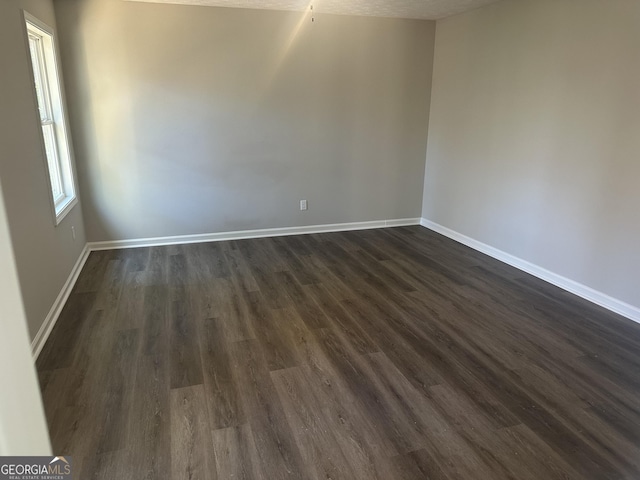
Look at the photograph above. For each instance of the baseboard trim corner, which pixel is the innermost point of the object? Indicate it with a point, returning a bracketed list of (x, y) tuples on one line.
[(245, 234), (617, 306), (52, 317)]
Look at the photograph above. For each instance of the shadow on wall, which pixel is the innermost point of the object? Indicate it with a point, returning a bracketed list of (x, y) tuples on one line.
[(201, 119)]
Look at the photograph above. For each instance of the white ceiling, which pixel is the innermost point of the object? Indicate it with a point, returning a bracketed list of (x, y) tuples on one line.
[(423, 9)]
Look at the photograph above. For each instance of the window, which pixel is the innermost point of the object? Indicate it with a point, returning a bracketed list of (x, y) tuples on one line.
[(48, 93)]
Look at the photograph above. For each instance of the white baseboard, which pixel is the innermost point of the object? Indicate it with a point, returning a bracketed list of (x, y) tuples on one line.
[(617, 306), (52, 317), (599, 298), (244, 234)]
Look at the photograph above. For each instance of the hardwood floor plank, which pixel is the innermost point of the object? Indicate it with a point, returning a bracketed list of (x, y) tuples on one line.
[(215, 259), (222, 396), (387, 354), (131, 310), (410, 361), (93, 272), (358, 374), (355, 432), (137, 258), (341, 319), (300, 269), (239, 269), (532, 458), (157, 271), (75, 396), (418, 465), (367, 241), (184, 351), (191, 443), (560, 436), (155, 322), (311, 431), (150, 430), (260, 257), (118, 390), (207, 261), (60, 354), (312, 314), (279, 455), (105, 466), (437, 437), (231, 305), (617, 417), (179, 276), (108, 295), (236, 455), (276, 342)]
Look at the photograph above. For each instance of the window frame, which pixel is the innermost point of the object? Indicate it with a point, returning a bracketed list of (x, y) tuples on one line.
[(54, 120)]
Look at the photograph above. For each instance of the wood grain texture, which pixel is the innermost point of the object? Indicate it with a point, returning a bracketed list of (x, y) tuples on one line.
[(235, 453), (386, 354), (191, 445)]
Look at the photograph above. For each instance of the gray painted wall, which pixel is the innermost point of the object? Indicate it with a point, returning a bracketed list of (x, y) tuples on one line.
[(534, 136), (197, 119), (44, 254)]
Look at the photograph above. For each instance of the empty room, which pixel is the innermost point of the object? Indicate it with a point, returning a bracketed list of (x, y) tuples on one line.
[(320, 239)]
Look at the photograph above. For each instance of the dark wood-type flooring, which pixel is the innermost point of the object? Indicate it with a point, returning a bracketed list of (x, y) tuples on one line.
[(381, 354)]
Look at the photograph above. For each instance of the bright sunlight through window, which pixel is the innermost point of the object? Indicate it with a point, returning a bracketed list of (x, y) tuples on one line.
[(54, 132)]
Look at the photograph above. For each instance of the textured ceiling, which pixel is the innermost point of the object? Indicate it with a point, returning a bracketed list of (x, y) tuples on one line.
[(425, 9)]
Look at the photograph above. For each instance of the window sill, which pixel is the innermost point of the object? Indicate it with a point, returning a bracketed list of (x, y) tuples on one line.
[(64, 208)]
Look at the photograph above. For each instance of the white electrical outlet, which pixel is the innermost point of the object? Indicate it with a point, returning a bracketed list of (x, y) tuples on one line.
[(303, 204), (73, 232)]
